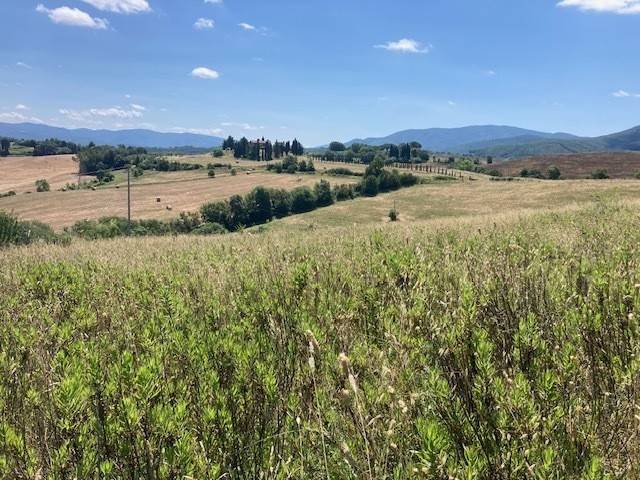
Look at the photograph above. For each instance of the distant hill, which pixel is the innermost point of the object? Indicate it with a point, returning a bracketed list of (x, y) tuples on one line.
[(616, 164), (136, 138), (628, 140), (457, 139)]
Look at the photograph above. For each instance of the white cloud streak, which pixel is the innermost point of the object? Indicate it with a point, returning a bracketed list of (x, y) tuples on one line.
[(621, 7), (120, 6), (204, 24), (405, 45), (205, 73), (72, 17)]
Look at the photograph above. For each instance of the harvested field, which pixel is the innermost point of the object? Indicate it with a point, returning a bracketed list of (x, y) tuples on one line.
[(617, 164), (20, 173), (61, 209)]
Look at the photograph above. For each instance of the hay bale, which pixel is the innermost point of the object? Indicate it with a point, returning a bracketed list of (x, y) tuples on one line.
[(158, 200), (169, 207)]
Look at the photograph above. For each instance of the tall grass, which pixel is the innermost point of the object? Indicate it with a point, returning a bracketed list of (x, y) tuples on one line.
[(509, 352)]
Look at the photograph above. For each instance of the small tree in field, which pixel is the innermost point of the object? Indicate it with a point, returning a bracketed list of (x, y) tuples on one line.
[(42, 186), (553, 173)]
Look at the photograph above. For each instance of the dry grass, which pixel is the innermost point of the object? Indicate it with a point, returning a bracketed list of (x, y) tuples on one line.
[(20, 173), (617, 164), (464, 200), (183, 193)]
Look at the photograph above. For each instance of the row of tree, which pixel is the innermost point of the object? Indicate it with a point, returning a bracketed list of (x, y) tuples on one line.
[(262, 149), (362, 153)]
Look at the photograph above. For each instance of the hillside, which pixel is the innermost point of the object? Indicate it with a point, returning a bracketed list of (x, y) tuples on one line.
[(616, 164), (521, 147), (455, 139), (83, 136)]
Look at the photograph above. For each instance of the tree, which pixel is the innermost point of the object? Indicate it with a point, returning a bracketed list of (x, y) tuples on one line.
[(258, 205), (302, 200), (370, 186), (405, 152), (280, 203), (324, 196), (237, 212), (375, 168), (229, 143), (553, 173), (216, 212), (394, 151), (42, 186), (337, 147), (5, 144)]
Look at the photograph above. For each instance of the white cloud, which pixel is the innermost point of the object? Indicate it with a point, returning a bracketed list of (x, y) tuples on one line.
[(20, 106), (489, 73), (120, 6), (199, 131), (204, 24), (16, 117), (622, 7), (24, 65), (625, 94), (215, 2), (139, 108), (91, 115), (405, 45), (247, 26), (73, 17), (452, 103), (205, 73), (243, 126)]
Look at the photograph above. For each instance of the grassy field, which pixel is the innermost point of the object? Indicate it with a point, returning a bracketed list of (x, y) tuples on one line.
[(478, 349), (20, 173), (617, 164)]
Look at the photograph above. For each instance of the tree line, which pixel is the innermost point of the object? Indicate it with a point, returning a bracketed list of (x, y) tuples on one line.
[(251, 150)]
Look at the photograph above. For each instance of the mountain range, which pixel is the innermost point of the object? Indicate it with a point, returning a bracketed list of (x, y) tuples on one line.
[(135, 138), (508, 142), (483, 140)]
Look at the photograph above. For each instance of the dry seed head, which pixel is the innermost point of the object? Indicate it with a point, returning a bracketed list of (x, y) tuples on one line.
[(312, 364), (298, 421), (353, 383), (345, 396), (344, 363), (391, 390), (314, 346)]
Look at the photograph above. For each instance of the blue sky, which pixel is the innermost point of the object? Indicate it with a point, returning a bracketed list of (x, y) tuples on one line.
[(335, 69)]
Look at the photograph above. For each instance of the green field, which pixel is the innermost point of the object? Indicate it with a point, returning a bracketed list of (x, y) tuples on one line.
[(486, 347)]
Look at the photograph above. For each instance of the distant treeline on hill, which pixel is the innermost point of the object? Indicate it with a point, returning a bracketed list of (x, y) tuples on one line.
[(40, 148), (262, 149), (361, 153)]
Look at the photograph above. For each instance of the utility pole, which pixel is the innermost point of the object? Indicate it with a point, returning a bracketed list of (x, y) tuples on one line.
[(129, 195)]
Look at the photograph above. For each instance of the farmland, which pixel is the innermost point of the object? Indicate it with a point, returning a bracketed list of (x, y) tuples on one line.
[(20, 173), (616, 164)]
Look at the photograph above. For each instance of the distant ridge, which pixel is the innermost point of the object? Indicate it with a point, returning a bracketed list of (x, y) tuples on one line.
[(456, 139), (135, 138), (508, 142)]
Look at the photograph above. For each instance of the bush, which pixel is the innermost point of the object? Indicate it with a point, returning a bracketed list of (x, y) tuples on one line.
[(600, 175), (42, 186), (389, 181), (258, 206), (211, 173), (393, 215), (210, 229), (280, 203), (105, 176), (369, 186), (409, 180), (344, 192), (637, 176), (186, 222), (215, 212), (218, 153), (553, 173), (302, 200), (340, 171), (323, 193), (10, 193)]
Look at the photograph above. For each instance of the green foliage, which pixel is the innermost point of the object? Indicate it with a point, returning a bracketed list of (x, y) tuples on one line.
[(553, 173), (506, 353), (302, 200), (16, 232), (323, 194), (218, 153), (42, 186), (393, 215), (337, 147), (343, 172), (600, 175), (369, 186)]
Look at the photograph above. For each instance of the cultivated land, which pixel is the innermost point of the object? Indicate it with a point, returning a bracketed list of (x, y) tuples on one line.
[(182, 191), (617, 165), (20, 173)]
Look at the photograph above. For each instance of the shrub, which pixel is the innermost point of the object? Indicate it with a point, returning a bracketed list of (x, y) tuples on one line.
[(218, 153), (637, 176), (210, 229), (323, 193), (344, 192), (393, 215), (302, 200), (186, 222), (409, 179), (10, 193), (280, 203), (42, 186), (105, 176), (211, 173), (341, 171), (258, 206), (553, 173), (600, 175), (389, 181), (215, 212), (233, 172), (369, 186)]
